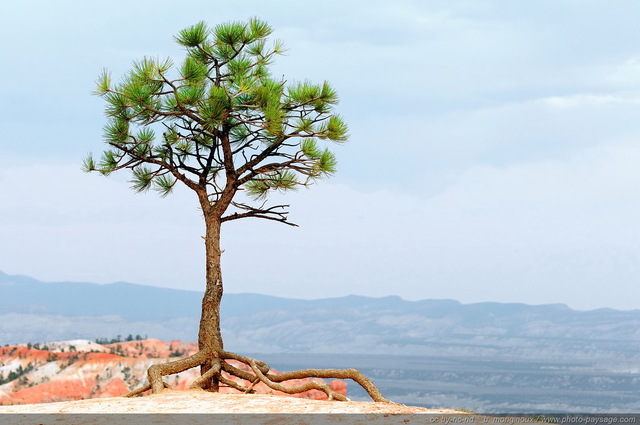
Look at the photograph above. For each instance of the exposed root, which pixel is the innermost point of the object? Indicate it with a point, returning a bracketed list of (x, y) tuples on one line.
[(260, 374), (237, 385), (138, 391), (142, 389), (253, 384), (353, 374), (205, 377), (309, 385), (264, 368), (157, 371)]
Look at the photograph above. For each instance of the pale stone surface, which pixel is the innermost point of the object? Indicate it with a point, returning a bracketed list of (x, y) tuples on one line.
[(193, 407), (199, 401)]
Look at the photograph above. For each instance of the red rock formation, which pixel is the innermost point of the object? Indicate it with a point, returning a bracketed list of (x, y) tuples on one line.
[(40, 376)]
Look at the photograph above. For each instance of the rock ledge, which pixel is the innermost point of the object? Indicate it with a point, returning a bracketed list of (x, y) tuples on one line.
[(199, 401)]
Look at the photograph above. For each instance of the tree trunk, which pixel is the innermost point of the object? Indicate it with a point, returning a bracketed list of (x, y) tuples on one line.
[(209, 335), (212, 358)]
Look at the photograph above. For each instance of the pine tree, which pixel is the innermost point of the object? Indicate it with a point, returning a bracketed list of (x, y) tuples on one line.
[(222, 126)]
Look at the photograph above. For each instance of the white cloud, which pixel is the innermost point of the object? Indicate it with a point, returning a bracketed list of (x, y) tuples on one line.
[(592, 100), (493, 154), (61, 224), (541, 232), (625, 74)]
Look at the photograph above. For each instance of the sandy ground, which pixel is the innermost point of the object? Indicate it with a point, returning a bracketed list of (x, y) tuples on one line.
[(199, 401), (201, 407)]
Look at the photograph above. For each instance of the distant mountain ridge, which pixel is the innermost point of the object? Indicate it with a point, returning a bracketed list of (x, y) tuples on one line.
[(31, 311), (490, 357), (22, 293)]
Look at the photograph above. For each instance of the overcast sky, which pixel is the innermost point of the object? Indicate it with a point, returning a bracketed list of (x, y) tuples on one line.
[(494, 152)]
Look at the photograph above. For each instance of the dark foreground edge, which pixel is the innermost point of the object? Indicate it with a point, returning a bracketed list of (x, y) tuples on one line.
[(316, 419)]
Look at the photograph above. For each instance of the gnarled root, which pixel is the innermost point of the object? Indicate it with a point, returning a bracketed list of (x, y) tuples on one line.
[(353, 374), (260, 374)]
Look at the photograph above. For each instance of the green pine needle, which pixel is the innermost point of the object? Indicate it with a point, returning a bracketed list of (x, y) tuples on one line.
[(222, 91), (108, 162), (239, 68), (283, 180), (259, 29), (146, 135), (190, 95), (223, 52), (117, 131), (142, 178), (257, 48), (231, 33), (194, 35), (194, 71), (171, 135), (103, 83), (278, 47), (310, 148), (142, 150), (164, 185), (304, 125), (162, 67), (88, 164), (117, 105), (336, 129), (302, 93), (328, 94), (327, 163)]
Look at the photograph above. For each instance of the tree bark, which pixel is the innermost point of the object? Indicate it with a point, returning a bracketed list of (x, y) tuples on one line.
[(211, 356), (209, 335)]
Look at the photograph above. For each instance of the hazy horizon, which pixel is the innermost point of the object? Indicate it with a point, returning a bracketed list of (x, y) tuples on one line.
[(318, 298)]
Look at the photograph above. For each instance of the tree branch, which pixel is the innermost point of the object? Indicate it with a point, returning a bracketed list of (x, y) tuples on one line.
[(260, 212)]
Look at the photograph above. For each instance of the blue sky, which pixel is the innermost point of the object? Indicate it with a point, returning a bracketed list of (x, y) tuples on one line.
[(493, 156)]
